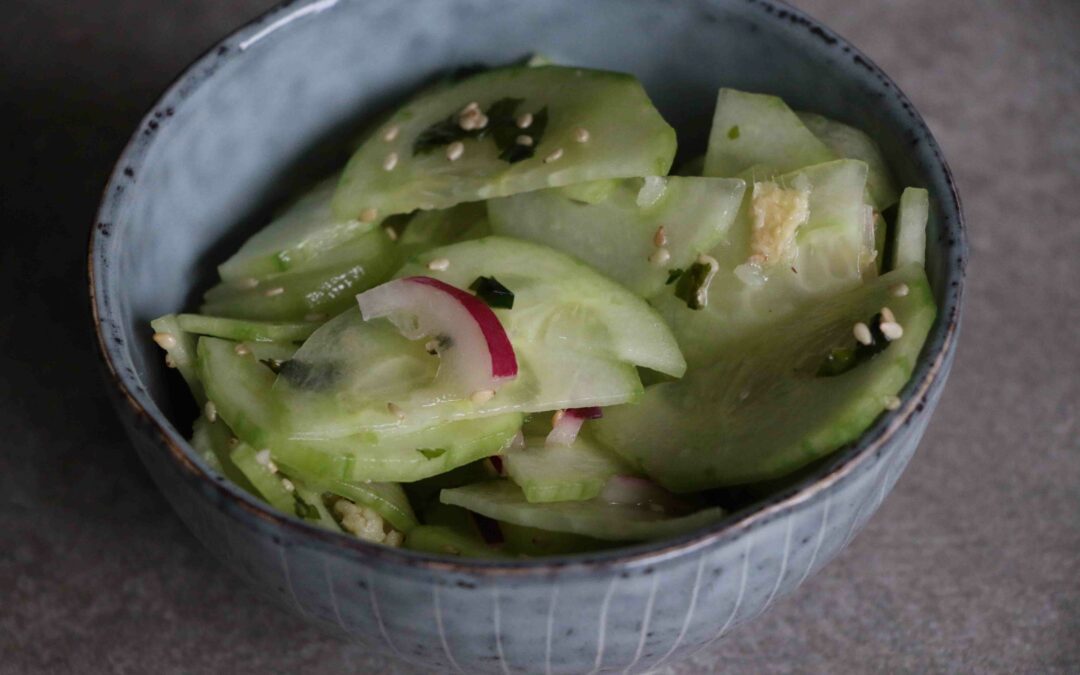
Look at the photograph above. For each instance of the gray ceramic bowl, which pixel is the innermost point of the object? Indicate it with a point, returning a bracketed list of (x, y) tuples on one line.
[(273, 105)]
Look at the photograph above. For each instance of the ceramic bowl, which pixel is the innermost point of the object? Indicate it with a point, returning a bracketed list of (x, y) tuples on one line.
[(277, 103)]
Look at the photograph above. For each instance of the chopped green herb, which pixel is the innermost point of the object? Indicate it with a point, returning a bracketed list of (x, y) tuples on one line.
[(432, 453), (501, 126), (693, 285), (843, 359), (506, 138), (305, 510), (672, 275), (306, 375), (493, 293), (733, 132)]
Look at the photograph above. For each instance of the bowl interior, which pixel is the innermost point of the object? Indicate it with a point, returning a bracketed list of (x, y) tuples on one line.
[(279, 102)]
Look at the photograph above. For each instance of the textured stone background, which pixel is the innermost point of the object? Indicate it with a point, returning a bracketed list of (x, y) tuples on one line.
[(973, 564)]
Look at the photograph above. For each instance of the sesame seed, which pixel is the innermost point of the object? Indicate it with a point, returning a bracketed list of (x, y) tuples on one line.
[(369, 215), (210, 410), (391, 133), (432, 347), (250, 282), (524, 121), (527, 141), (241, 349), (554, 156), (287, 484), (581, 135), (390, 162), (455, 150), (263, 457), (165, 340), (314, 316), (660, 238), (660, 257), (271, 467), (271, 292), (891, 330), (395, 410), (170, 362), (391, 234), (472, 106), (891, 402), (744, 394), (887, 315), (899, 290), (482, 396), (439, 264), (862, 334)]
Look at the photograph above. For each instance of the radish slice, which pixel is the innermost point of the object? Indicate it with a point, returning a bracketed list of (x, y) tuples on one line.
[(567, 424), (471, 343)]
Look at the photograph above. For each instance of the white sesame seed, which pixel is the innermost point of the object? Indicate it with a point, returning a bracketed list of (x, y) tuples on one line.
[(241, 349), (554, 156), (660, 238), (891, 402), (263, 457), (271, 467), (391, 133), (165, 340), (271, 292), (170, 362), (527, 141), (472, 106), (439, 264), (287, 484), (391, 234), (887, 315), (369, 215), (891, 330), (899, 290), (395, 410), (210, 410), (581, 135), (314, 316), (660, 257), (862, 334), (482, 396), (432, 347), (250, 282), (524, 121), (455, 150), (390, 162)]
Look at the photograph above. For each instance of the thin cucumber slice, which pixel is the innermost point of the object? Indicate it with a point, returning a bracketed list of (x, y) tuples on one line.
[(610, 107), (831, 253), (851, 143), (243, 330), (296, 238), (431, 229), (204, 445), (772, 406), (308, 294), (559, 302), (911, 228), (620, 235), (264, 477), (216, 439), (535, 543), (179, 346), (504, 501), (308, 505), (758, 130), (557, 473), (447, 541), (386, 499)]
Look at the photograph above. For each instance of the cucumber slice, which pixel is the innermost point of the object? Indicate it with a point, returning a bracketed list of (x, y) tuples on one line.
[(430, 229), (242, 390), (767, 409), (312, 293), (504, 501), (447, 541), (179, 346), (216, 439), (758, 131), (386, 499), (536, 543), (626, 137), (851, 143), (263, 476), (244, 330), (831, 253), (343, 380), (559, 302), (557, 473), (296, 238), (911, 228), (618, 235), (308, 505)]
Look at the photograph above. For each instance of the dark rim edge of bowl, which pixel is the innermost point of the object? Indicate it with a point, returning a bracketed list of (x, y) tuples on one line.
[(843, 462)]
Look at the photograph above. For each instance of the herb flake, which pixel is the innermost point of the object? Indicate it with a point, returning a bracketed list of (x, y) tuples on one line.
[(673, 275), (693, 285), (493, 293), (843, 359), (304, 510), (432, 453), (501, 126)]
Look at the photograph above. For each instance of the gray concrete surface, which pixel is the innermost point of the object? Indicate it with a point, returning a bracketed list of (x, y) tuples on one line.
[(973, 564)]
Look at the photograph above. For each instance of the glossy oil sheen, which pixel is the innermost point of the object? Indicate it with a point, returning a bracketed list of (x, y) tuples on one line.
[(278, 103)]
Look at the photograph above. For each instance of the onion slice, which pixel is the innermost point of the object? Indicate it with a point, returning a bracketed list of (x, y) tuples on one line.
[(567, 424), (474, 348)]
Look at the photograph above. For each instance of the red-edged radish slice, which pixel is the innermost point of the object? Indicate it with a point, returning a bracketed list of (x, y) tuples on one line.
[(567, 424), (472, 345)]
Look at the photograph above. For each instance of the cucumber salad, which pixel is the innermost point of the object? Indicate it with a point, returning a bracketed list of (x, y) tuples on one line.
[(507, 328)]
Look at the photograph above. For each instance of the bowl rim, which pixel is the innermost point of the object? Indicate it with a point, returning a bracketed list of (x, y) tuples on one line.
[(930, 368)]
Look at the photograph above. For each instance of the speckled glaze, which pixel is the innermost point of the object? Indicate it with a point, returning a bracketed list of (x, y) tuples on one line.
[(277, 103)]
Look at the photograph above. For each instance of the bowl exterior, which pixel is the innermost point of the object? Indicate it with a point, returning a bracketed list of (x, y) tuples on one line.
[(274, 105)]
